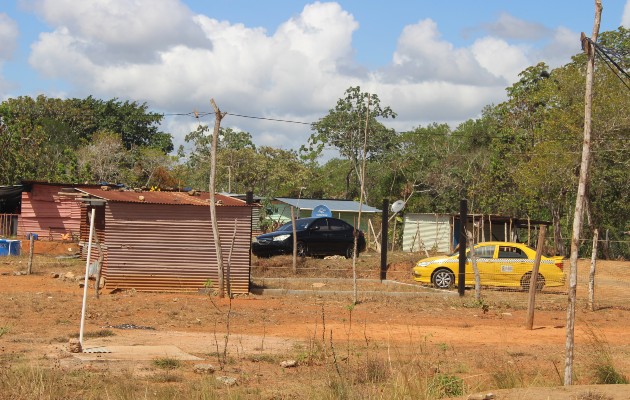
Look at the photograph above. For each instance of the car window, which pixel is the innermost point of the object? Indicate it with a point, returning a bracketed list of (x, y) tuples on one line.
[(511, 252), (320, 225), (484, 251), (300, 224), (286, 227), (338, 225)]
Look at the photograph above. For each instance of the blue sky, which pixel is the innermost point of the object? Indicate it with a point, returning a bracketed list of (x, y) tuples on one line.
[(431, 61)]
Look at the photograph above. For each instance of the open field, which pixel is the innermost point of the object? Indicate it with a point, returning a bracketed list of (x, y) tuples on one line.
[(425, 345)]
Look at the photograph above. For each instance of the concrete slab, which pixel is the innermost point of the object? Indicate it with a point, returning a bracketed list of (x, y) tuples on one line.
[(136, 353)]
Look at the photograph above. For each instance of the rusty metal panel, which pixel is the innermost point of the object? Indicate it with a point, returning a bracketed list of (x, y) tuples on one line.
[(48, 214), (164, 247), (173, 198), (99, 231)]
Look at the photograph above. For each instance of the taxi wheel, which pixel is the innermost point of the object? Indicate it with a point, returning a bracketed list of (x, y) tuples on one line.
[(443, 278), (540, 282)]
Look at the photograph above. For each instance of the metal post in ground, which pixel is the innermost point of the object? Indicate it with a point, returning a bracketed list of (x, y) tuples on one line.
[(463, 218), (384, 228)]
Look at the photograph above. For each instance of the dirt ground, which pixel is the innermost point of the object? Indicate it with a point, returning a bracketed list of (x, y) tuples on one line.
[(39, 313)]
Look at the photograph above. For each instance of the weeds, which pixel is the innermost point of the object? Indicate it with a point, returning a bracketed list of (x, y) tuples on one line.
[(446, 386), (4, 330), (167, 377), (37, 382), (99, 334), (372, 371), (507, 376), (589, 395), (606, 374), (602, 365), (167, 363), (268, 358)]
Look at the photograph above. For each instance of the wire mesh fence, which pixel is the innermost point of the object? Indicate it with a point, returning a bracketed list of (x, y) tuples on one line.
[(611, 280)]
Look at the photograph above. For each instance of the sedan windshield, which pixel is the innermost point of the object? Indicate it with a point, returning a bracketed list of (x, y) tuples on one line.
[(300, 225)]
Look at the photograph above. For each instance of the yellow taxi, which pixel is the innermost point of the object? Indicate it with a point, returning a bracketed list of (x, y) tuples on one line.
[(500, 264)]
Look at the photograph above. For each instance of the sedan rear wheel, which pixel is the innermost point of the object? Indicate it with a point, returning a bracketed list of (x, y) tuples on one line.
[(350, 251), (540, 282), (443, 278)]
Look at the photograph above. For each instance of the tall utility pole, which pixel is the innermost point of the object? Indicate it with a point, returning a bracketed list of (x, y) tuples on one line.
[(218, 116), (355, 250), (588, 47)]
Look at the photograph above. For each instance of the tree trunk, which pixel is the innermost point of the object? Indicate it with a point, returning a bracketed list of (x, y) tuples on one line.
[(358, 225), (473, 260), (581, 193), (558, 244), (213, 208)]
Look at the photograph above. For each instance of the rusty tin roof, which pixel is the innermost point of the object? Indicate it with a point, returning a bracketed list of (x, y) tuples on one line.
[(174, 198)]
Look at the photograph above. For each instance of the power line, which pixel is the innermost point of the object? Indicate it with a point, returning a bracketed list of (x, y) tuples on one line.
[(605, 55), (197, 114), (270, 119)]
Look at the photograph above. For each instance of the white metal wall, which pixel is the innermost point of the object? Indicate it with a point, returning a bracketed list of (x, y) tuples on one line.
[(427, 232)]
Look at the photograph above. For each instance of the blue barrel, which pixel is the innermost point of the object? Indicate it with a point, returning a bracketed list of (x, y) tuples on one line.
[(34, 235), (9, 247)]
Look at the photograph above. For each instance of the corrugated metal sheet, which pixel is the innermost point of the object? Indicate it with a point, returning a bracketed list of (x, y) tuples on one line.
[(173, 198), (99, 232), (427, 232), (256, 221), (47, 213), (163, 247), (334, 205)]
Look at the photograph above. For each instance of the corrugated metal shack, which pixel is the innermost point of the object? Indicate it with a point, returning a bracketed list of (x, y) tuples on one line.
[(162, 241), (440, 232), (10, 197), (255, 210), (47, 213)]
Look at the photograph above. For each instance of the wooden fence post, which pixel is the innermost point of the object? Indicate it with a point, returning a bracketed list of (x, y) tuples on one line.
[(294, 241), (31, 247), (533, 279), (591, 276)]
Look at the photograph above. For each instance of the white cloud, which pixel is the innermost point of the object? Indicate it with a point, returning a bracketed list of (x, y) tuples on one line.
[(159, 52), (8, 36), (625, 18), (500, 58), (285, 75), (422, 55), (510, 27), (563, 45), (122, 31)]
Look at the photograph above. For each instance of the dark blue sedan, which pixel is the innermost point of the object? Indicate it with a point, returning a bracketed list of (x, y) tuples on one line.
[(323, 236)]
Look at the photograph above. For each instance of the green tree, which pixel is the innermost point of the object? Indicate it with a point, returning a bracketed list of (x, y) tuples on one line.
[(137, 126), (40, 136), (105, 159), (241, 166), (344, 130), (152, 168)]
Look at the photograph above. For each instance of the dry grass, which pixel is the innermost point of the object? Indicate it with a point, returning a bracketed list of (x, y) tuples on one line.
[(418, 367)]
